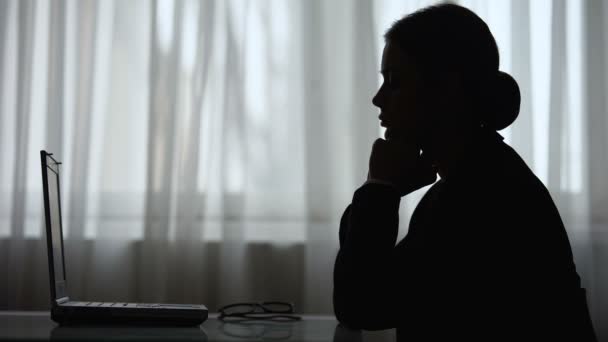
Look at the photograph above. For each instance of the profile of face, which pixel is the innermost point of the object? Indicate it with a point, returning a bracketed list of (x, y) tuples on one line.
[(399, 97), (413, 109)]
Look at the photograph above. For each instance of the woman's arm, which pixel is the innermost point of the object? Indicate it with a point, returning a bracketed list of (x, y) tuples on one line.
[(366, 287)]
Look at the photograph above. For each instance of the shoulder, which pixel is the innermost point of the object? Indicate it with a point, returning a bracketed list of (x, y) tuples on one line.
[(519, 184), (433, 193)]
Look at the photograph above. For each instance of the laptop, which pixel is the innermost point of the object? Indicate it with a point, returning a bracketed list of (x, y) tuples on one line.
[(67, 311)]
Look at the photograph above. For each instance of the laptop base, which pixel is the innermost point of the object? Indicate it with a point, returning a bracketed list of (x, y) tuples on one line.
[(133, 316)]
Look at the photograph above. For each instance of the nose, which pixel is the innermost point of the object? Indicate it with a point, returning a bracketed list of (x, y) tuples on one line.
[(377, 99)]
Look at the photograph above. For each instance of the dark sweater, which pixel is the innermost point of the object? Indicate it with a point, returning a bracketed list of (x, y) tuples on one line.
[(486, 257)]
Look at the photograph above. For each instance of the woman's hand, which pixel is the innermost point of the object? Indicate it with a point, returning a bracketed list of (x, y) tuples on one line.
[(401, 164)]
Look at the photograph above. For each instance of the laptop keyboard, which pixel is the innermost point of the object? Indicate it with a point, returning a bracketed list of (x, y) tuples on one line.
[(132, 305), (110, 304)]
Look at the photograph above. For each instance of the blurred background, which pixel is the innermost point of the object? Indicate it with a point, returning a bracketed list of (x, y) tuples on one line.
[(210, 147)]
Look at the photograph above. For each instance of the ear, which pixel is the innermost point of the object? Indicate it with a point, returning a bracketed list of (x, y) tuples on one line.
[(451, 98), (446, 108), (444, 91), (453, 87)]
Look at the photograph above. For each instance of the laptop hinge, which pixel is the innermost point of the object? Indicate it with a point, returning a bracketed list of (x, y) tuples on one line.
[(63, 300)]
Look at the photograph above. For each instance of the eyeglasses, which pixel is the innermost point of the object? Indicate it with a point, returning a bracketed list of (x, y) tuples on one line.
[(277, 311)]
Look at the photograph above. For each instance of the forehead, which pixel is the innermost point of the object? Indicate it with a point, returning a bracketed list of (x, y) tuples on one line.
[(394, 58)]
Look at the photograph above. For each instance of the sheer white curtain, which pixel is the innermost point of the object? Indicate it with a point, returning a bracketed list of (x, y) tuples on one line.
[(210, 147)]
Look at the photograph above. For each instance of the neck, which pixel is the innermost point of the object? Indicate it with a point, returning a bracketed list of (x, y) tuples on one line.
[(454, 153), (449, 159)]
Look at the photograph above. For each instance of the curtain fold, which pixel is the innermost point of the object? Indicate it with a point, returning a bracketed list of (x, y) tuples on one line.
[(318, 162), (210, 147), (77, 190), (56, 77), (558, 105), (522, 129), (17, 257), (163, 92), (595, 88), (4, 15)]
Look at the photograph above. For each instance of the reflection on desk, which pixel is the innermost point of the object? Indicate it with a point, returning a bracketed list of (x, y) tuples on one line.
[(259, 330), (125, 333), (37, 326)]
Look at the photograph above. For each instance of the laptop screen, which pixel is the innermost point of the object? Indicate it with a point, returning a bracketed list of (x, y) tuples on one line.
[(54, 211)]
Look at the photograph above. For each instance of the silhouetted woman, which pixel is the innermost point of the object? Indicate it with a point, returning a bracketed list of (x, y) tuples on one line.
[(486, 256)]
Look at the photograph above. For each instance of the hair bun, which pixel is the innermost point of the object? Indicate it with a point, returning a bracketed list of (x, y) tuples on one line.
[(506, 101)]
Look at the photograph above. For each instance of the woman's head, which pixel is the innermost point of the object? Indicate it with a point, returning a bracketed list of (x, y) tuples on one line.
[(440, 68)]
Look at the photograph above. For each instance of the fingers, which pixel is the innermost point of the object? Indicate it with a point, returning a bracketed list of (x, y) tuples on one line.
[(379, 143), (396, 147), (383, 149), (400, 163), (379, 156)]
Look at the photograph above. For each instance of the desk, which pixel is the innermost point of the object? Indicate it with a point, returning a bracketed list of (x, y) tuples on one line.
[(38, 326)]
